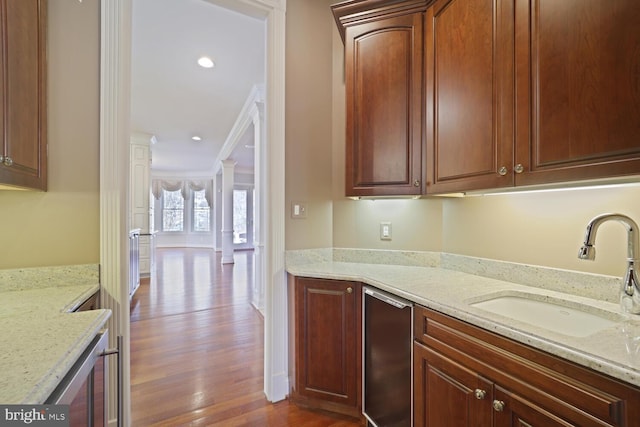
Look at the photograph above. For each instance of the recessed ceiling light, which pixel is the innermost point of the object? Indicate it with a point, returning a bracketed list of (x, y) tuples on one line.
[(205, 62), (196, 138)]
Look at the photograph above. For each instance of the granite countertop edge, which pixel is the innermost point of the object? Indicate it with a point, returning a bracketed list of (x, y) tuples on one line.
[(610, 351), (59, 369), (42, 337)]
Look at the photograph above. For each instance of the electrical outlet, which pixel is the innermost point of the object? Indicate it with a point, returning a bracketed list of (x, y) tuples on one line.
[(385, 230), (298, 210)]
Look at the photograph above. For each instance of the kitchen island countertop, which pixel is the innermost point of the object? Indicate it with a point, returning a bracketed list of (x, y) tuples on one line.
[(41, 338), (614, 351)]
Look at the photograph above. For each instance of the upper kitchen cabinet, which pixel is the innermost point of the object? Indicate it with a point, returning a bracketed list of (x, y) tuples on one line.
[(531, 92), (469, 94), (384, 96), (578, 89), (23, 113)]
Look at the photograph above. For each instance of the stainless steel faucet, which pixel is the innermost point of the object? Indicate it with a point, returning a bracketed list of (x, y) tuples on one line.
[(630, 291)]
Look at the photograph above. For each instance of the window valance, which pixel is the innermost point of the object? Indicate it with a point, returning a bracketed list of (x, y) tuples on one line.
[(157, 185)]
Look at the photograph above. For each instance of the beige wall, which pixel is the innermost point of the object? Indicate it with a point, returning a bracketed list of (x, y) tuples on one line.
[(416, 224), (308, 122), (541, 228), (61, 226)]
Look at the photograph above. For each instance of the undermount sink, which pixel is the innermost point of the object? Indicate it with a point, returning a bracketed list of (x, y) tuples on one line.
[(561, 316)]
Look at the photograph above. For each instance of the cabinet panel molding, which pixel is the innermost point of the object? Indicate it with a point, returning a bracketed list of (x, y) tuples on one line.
[(353, 12)]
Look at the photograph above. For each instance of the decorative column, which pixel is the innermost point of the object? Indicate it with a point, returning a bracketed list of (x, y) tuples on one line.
[(228, 167)]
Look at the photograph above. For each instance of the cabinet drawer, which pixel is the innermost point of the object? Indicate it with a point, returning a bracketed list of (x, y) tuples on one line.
[(549, 381)]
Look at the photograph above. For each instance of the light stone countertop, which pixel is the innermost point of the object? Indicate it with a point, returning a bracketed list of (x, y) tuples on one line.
[(39, 336), (614, 351)]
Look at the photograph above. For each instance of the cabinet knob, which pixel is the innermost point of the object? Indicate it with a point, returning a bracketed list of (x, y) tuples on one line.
[(503, 171), (498, 405), (480, 394), (8, 161), (416, 183), (518, 168), (349, 290)]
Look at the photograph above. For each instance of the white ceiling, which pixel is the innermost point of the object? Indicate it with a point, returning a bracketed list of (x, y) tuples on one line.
[(173, 98)]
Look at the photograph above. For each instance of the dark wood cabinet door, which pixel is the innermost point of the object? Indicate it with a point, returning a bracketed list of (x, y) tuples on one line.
[(469, 94), (578, 89), (327, 350), (447, 393), (511, 410), (23, 40), (384, 95)]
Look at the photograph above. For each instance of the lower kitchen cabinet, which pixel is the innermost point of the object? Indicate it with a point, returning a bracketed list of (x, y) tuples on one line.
[(467, 376), (445, 392), (326, 334)]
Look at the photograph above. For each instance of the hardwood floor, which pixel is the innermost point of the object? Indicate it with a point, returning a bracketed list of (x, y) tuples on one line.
[(197, 348)]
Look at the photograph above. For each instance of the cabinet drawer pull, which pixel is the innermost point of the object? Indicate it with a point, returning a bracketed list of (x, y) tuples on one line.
[(498, 405), (502, 171), (480, 394), (416, 183), (8, 161), (519, 168), (349, 289)]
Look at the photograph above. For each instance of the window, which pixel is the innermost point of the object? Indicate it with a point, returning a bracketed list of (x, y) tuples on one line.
[(201, 212), (240, 216), (172, 211), (183, 207)]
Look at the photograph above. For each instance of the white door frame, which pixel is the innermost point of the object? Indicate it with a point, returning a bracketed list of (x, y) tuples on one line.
[(251, 211), (115, 91)]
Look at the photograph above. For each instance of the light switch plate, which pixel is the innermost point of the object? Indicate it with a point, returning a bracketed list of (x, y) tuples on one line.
[(385, 230), (298, 210)]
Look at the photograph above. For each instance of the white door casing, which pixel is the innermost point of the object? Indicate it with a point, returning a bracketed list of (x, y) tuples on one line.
[(115, 91)]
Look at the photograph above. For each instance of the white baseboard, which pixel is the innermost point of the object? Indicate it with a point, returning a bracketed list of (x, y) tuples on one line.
[(184, 245), (280, 388)]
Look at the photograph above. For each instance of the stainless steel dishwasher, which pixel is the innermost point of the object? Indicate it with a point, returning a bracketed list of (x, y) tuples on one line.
[(387, 365)]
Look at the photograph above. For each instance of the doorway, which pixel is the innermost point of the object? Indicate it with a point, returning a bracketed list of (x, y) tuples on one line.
[(114, 134), (243, 217)]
